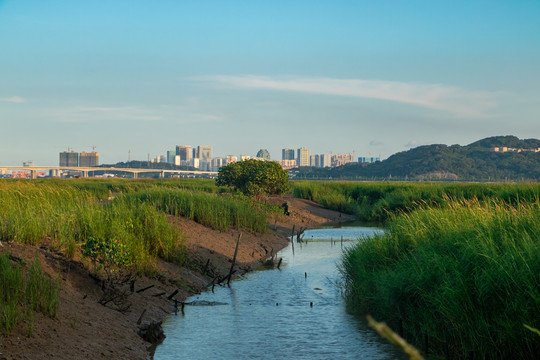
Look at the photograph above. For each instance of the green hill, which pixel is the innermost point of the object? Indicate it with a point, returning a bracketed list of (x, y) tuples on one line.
[(476, 161)]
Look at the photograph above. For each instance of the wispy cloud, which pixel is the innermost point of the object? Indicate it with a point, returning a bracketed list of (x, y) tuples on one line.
[(82, 114), (13, 99), (411, 144), (164, 113), (458, 101), (375, 143)]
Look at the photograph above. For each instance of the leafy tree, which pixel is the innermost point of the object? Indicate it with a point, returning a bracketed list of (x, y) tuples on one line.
[(254, 177)]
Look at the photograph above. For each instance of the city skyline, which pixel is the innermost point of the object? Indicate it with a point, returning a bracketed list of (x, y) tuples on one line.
[(341, 77)]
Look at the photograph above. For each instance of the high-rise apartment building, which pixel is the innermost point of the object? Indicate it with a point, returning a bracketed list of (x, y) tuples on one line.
[(303, 157), (325, 160), (231, 159), (217, 163), (287, 154), (69, 158), (244, 157), (170, 156), (184, 151), (314, 160), (205, 153), (341, 159), (88, 159)]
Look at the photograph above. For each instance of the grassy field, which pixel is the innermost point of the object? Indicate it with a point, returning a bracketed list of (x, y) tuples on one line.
[(461, 265), (132, 213), (375, 201)]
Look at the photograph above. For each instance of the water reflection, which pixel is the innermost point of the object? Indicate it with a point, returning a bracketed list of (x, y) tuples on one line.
[(268, 314)]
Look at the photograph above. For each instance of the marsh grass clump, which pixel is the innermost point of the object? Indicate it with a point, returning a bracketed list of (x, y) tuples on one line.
[(465, 273), (23, 292)]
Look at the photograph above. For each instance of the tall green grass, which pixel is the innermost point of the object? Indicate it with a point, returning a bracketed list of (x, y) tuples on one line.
[(131, 212), (65, 216), (24, 292), (466, 273), (217, 212), (103, 188), (375, 201)]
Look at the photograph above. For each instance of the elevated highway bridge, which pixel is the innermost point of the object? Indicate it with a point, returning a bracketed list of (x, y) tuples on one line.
[(86, 170)]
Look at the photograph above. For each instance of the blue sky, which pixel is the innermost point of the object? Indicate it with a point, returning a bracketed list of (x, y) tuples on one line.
[(334, 76)]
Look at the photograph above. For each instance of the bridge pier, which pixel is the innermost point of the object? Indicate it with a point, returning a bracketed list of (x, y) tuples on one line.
[(34, 174), (85, 173), (161, 174), (135, 175)]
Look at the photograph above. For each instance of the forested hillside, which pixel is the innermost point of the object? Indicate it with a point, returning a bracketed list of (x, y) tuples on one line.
[(476, 161)]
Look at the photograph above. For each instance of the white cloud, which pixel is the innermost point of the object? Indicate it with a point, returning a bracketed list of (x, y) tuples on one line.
[(13, 99), (454, 100), (96, 113), (172, 113), (411, 144)]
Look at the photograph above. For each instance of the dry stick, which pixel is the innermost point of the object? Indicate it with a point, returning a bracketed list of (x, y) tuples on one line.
[(342, 241), (171, 296), (159, 294), (234, 259), (140, 317), (279, 263), (144, 289)]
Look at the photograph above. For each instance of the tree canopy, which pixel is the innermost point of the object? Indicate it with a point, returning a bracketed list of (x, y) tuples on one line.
[(254, 177)]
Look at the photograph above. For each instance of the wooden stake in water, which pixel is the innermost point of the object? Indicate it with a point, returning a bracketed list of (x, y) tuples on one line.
[(234, 259), (292, 239)]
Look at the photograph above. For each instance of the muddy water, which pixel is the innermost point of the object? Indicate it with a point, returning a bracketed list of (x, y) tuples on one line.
[(297, 312)]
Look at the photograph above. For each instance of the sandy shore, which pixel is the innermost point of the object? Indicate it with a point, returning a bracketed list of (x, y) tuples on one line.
[(85, 329)]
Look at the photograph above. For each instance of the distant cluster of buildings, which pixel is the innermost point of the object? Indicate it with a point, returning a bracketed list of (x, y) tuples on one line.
[(304, 158), (504, 149), (201, 157), (72, 158)]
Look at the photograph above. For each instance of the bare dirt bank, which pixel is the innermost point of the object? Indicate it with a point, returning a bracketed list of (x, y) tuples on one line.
[(85, 329)]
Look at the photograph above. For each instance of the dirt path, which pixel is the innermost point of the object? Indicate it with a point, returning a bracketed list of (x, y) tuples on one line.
[(84, 329)]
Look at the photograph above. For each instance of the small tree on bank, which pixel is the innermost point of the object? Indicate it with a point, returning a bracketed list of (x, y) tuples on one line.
[(254, 177)]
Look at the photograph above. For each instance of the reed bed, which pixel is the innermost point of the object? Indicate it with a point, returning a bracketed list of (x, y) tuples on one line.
[(66, 216), (466, 273), (24, 292), (103, 188), (375, 201), (217, 212)]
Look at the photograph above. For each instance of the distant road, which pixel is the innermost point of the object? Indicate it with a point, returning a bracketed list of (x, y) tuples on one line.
[(86, 170)]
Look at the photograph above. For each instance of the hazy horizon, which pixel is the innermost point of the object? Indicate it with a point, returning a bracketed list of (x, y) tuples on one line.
[(342, 76)]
